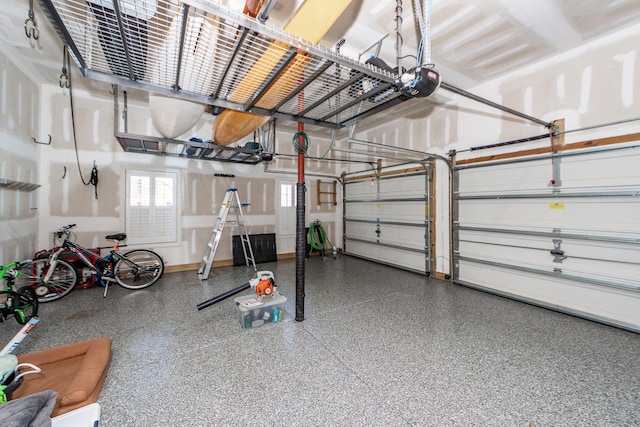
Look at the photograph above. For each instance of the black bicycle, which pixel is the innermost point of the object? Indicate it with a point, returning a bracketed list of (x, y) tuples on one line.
[(52, 278)]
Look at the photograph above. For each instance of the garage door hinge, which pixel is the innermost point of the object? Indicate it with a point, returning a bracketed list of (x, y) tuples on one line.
[(557, 252)]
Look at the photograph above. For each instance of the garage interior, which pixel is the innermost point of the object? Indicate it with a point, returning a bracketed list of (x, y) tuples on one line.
[(482, 203)]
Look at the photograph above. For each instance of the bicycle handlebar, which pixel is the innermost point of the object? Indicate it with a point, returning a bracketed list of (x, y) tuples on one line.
[(8, 268), (24, 261), (64, 230)]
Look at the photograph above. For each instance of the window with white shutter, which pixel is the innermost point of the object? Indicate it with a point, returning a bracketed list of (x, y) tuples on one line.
[(151, 208)]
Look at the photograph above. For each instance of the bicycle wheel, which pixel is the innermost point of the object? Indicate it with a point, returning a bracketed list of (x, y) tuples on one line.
[(138, 269), (61, 282), (25, 305)]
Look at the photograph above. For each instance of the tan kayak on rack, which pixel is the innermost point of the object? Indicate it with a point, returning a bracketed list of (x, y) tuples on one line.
[(311, 22)]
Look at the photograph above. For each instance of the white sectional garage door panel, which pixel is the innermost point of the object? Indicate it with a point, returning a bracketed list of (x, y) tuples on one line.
[(385, 222), (577, 250)]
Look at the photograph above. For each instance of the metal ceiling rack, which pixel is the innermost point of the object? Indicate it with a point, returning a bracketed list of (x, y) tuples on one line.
[(194, 150), (204, 52), (134, 143)]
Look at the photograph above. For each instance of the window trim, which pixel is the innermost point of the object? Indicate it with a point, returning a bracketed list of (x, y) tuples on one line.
[(128, 172)]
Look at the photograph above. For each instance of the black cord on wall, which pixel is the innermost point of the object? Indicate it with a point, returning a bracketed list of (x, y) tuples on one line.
[(93, 180)]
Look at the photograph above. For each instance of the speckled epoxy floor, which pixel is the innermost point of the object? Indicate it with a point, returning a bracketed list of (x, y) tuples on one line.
[(379, 347)]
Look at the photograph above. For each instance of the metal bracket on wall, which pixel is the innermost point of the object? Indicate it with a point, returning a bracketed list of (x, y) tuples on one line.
[(557, 144), (43, 143), (17, 185)]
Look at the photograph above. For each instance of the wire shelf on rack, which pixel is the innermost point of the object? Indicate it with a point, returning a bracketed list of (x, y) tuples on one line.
[(201, 51), (17, 185), (187, 149)]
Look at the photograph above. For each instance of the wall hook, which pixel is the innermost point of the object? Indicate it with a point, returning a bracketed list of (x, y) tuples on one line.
[(43, 143), (65, 79), (30, 26)]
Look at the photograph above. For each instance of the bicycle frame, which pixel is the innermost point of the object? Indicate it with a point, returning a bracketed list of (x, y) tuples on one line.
[(82, 253), (115, 267)]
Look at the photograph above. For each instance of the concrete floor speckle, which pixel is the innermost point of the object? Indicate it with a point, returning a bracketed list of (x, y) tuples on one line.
[(379, 347)]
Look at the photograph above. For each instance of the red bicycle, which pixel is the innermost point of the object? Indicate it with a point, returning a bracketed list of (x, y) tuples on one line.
[(53, 278)]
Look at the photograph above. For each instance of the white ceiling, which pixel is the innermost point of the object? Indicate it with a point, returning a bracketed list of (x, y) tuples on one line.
[(471, 40)]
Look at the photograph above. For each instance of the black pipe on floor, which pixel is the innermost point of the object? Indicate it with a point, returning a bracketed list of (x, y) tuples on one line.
[(222, 296)]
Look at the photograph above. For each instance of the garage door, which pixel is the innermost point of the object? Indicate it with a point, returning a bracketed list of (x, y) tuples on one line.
[(386, 220), (560, 231)]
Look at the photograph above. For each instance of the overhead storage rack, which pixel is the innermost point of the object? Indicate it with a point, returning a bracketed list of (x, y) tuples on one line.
[(192, 149), (203, 52)]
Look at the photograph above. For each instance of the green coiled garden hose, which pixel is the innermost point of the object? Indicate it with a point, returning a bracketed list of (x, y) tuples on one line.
[(296, 142), (316, 237)]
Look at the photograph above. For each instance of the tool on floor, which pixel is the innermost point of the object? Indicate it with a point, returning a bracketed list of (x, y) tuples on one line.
[(21, 335), (231, 203), (263, 285)]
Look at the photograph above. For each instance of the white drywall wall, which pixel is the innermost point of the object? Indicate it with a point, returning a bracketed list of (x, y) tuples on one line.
[(64, 199), (19, 100)]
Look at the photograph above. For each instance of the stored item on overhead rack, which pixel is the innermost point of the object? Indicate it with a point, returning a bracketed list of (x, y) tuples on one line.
[(366, 85), (173, 116), (252, 145), (419, 82), (311, 22)]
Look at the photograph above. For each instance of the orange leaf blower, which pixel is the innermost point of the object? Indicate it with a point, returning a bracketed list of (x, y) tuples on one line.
[(263, 285)]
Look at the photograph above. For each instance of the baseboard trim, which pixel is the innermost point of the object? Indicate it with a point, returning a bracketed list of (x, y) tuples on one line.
[(221, 263)]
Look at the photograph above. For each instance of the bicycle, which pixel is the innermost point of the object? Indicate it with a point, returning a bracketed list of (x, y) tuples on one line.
[(21, 303), (52, 278)]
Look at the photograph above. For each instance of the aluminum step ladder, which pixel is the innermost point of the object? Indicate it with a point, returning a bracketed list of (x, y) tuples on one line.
[(231, 203)]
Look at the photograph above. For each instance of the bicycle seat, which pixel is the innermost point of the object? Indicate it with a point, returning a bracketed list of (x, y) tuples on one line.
[(119, 237)]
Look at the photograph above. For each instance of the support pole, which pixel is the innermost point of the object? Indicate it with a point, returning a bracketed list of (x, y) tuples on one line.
[(300, 208), (300, 252)]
